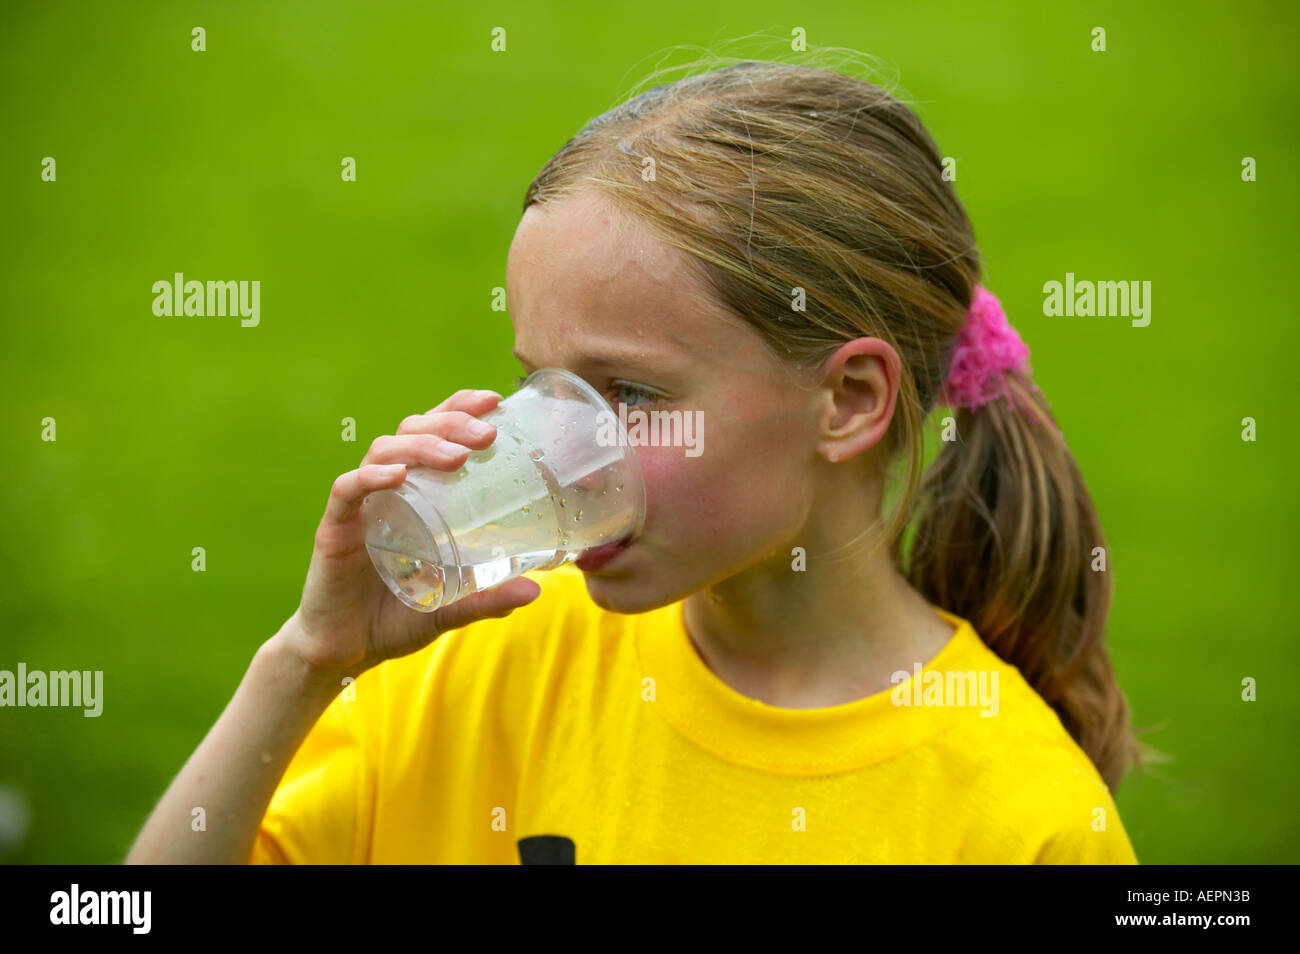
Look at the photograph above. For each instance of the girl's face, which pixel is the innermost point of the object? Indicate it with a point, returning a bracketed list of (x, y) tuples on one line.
[(591, 292)]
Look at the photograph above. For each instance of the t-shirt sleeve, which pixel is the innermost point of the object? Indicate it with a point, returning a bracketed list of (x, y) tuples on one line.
[(1083, 842), (453, 714), (320, 812)]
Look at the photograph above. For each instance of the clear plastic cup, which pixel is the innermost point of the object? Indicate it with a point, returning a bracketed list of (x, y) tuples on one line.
[(560, 477)]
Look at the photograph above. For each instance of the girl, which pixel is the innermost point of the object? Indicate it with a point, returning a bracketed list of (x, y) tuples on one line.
[(772, 670)]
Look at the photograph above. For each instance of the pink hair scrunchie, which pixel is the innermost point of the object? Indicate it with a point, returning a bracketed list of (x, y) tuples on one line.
[(987, 348)]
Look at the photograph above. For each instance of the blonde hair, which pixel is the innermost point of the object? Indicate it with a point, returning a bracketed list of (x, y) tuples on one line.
[(772, 177)]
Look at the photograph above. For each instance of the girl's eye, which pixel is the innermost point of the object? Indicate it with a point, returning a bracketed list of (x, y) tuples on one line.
[(621, 388), (618, 388)]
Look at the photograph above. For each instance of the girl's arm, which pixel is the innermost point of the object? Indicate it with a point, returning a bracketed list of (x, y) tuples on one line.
[(346, 623), (235, 770)]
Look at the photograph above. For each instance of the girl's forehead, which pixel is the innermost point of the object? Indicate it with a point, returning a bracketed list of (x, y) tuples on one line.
[(585, 279), (565, 289), (647, 330)]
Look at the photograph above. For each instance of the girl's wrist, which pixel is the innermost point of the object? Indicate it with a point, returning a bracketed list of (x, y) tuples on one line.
[(284, 664)]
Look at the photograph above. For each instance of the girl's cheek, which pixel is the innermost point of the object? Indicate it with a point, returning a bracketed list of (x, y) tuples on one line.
[(676, 486), (692, 497), (663, 473)]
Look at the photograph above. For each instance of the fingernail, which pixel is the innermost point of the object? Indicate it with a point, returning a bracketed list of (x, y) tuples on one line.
[(486, 393), (451, 448), (479, 428), (389, 469)]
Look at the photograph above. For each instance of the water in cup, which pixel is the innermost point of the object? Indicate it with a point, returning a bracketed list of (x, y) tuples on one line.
[(423, 581)]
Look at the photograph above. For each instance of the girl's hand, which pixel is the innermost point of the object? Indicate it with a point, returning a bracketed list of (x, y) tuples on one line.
[(348, 620)]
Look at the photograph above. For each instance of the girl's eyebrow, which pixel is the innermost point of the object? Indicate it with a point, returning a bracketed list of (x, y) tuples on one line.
[(634, 358)]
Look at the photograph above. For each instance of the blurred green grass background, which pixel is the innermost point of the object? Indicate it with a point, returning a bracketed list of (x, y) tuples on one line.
[(184, 432)]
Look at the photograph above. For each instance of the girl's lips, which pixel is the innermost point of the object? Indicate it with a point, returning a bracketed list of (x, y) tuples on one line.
[(593, 558)]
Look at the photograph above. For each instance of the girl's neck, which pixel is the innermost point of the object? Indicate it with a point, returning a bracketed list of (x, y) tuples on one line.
[(824, 635)]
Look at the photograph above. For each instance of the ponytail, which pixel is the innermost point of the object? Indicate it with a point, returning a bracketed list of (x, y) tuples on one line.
[(1008, 539)]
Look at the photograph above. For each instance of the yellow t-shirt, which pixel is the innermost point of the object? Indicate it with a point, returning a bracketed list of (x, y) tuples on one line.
[(565, 733)]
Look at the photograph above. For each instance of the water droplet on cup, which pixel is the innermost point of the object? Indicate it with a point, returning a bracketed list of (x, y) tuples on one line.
[(562, 501), (537, 454), (579, 516)]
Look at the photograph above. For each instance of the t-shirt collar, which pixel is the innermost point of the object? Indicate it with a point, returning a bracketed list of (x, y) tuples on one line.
[(699, 705)]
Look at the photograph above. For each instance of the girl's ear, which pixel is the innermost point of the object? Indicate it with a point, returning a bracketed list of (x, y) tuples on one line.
[(861, 383)]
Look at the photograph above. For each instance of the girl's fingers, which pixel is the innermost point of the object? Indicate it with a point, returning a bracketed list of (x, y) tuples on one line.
[(348, 491), (470, 401), (417, 450), (419, 442), (499, 600), (453, 425)]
